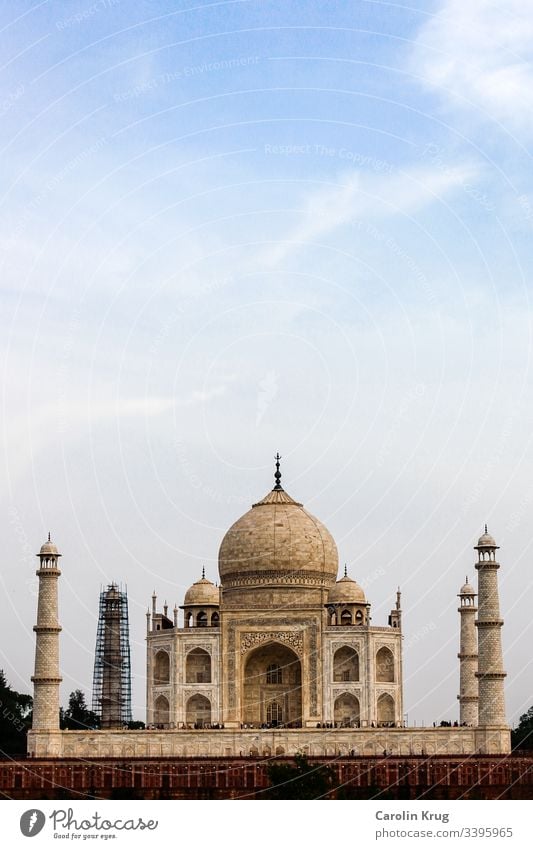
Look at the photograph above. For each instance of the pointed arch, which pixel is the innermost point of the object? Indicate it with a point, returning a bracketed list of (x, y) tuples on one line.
[(271, 673), (346, 617), (384, 665), (385, 709), (347, 710), (161, 667), (198, 667), (198, 711), (161, 711), (346, 664)]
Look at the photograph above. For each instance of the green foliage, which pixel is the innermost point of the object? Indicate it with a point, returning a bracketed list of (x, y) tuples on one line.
[(15, 719), (78, 717), (522, 735), (135, 725), (299, 781)]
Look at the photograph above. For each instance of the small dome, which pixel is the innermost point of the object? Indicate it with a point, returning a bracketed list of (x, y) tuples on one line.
[(49, 548), (346, 591), (202, 593), (467, 589), (486, 541)]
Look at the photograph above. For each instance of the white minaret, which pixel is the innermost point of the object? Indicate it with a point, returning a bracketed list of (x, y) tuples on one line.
[(468, 657), (490, 672), (46, 679)]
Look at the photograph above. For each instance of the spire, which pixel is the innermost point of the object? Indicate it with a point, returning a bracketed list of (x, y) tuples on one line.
[(277, 474)]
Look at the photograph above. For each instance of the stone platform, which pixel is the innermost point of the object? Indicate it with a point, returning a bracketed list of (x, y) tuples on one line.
[(330, 742)]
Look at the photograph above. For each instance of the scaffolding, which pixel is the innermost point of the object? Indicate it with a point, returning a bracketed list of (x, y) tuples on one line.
[(112, 665)]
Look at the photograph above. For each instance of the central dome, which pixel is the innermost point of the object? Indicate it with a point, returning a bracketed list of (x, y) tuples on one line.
[(277, 543)]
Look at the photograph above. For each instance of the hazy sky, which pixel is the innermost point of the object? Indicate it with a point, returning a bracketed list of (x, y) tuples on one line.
[(233, 228)]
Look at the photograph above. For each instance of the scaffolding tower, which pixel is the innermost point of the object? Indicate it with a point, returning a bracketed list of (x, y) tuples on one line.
[(112, 665)]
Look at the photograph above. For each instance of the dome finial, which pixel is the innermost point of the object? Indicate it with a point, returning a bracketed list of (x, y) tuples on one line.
[(49, 540), (277, 474), (203, 573), (345, 571), (486, 530)]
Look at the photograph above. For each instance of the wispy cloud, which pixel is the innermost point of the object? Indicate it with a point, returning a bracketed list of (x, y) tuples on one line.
[(480, 53), (358, 195)]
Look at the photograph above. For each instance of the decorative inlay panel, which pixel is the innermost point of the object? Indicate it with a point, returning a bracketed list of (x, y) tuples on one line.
[(294, 639)]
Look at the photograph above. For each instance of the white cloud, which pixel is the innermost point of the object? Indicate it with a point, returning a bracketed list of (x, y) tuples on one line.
[(370, 197), (479, 54)]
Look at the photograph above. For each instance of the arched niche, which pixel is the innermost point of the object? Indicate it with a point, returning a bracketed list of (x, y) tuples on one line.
[(385, 709), (384, 665), (161, 711), (347, 710), (198, 711), (198, 667), (346, 664), (161, 667)]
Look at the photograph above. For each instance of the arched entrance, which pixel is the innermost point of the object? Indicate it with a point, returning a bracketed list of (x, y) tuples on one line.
[(272, 687)]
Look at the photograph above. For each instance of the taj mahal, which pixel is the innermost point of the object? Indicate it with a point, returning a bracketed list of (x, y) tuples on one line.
[(282, 657)]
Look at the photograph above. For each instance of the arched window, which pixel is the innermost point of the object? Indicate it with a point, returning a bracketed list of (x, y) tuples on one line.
[(215, 620), (385, 710), (198, 667), (359, 617), (274, 714), (161, 711), (161, 668), (346, 617), (201, 619), (384, 665), (274, 674), (346, 664)]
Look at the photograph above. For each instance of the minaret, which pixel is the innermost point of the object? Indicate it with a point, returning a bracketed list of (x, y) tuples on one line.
[(468, 658), (395, 617), (490, 665), (47, 679)]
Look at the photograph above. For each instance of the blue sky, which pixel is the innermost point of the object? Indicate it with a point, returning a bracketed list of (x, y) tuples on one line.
[(235, 228)]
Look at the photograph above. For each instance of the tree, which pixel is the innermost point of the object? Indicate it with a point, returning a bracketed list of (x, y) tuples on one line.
[(522, 735), (78, 717), (301, 781), (15, 718)]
